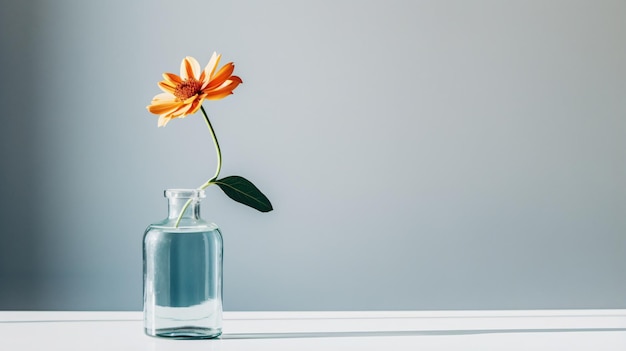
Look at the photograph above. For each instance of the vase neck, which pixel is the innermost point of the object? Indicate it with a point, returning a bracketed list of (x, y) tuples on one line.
[(186, 201)]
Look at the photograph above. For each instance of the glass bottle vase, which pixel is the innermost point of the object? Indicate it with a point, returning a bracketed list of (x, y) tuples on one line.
[(182, 271)]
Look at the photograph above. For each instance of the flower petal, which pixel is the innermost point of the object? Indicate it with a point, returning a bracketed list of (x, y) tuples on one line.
[(223, 90), (236, 79), (163, 107), (182, 111), (217, 95), (190, 99), (163, 120), (221, 75), (164, 97), (195, 106), (189, 68), (167, 87), (172, 78), (212, 65)]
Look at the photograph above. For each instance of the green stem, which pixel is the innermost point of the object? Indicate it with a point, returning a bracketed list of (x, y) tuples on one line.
[(217, 151), (217, 170)]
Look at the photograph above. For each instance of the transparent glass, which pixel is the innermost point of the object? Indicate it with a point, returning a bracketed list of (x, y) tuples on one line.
[(182, 272)]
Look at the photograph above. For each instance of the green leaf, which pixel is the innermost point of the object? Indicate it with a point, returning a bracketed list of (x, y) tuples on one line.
[(243, 191)]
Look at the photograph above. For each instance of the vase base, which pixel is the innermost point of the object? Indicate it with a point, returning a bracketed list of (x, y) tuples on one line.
[(185, 333)]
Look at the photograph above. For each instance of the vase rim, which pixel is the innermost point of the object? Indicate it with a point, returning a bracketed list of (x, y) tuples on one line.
[(184, 193)]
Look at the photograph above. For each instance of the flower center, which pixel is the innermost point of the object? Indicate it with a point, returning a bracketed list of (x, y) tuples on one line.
[(188, 88)]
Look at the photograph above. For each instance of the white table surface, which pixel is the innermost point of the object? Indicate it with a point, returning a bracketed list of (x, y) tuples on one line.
[(399, 330)]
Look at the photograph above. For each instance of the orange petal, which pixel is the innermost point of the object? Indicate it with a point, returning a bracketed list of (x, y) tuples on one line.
[(163, 104), (189, 68), (182, 111), (218, 95), (196, 105), (212, 65), (163, 107), (190, 99), (164, 97), (221, 75), (226, 87), (167, 86), (163, 120), (172, 78), (230, 83)]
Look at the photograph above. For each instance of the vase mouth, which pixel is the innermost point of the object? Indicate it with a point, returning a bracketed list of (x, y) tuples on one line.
[(184, 193)]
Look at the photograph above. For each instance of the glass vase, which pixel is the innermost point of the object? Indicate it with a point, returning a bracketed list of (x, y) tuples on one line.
[(182, 271)]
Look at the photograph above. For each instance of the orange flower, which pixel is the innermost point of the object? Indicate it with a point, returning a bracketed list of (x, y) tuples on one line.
[(183, 95)]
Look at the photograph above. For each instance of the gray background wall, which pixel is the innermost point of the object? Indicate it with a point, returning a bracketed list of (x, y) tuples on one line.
[(419, 154)]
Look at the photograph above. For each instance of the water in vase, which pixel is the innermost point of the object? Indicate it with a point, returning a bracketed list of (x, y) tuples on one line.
[(183, 283)]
